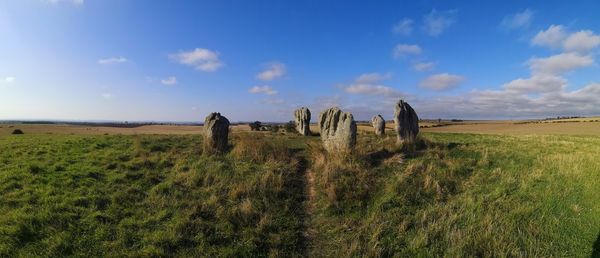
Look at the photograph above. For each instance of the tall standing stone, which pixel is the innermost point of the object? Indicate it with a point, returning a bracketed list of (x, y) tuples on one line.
[(379, 125), (407, 122), (338, 130), (216, 133), (302, 119)]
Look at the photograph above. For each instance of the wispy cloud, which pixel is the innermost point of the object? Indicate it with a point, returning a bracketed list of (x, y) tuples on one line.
[(172, 80), (556, 36), (265, 89), (200, 58), (273, 71), (112, 60), (518, 20), (106, 95), (10, 79), (436, 22), (403, 27), (536, 84), (402, 50), (423, 66), (74, 2), (370, 84), (441, 81), (551, 37), (372, 77), (559, 64)]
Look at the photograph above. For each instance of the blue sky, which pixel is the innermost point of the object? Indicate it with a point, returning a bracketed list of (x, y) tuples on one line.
[(259, 60)]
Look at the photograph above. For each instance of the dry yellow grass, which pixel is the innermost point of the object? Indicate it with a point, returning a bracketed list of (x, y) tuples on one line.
[(512, 128), (99, 130), (581, 119)]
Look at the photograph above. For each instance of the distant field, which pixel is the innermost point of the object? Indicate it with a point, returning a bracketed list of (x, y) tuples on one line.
[(100, 130), (281, 195), (581, 119), (580, 126), (519, 128)]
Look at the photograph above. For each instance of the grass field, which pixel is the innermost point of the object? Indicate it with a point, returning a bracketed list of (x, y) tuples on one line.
[(457, 195)]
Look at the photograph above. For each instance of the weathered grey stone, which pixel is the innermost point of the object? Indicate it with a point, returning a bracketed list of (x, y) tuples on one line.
[(338, 130), (379, 125), (302, 119), (407, 122), (216, 133)]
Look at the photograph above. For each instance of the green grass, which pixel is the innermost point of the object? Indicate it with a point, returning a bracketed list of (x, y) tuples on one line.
[(456, 195), (143, 196), (462, 196)]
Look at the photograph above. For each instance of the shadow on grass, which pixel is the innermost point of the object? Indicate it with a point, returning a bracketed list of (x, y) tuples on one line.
[(377, 157), (596, 248), (413, 150)]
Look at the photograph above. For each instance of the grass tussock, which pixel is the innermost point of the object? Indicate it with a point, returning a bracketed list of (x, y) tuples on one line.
[(260, 148), (450, 195)]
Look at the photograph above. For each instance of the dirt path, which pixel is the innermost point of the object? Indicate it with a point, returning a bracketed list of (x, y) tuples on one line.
[(310, 191), (309, 206)]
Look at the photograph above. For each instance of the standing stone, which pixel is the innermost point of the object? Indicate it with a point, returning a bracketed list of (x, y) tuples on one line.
[(302, 119), (216, 133), (379, 125), (407, 122), (338, 130)]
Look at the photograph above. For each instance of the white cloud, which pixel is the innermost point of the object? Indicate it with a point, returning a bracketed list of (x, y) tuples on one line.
[(436, 22), (441, 81), (200, 58), (536, 84), (370, 89), (106, 95), (274, 71), (372, 77), (556, 37), (581, 41), (403, 27), (169, 81), (369, 84), (518, 20), (559, 64), (265, 89), (401, 50), (10, 79), (112, 60), (423, 66), (552, 37), (75, 2)]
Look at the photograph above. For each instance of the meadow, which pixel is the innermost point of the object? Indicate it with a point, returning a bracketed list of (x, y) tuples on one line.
[(281, 195)]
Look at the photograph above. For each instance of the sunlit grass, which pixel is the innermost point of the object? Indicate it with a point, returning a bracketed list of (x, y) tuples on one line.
[(456, 195)]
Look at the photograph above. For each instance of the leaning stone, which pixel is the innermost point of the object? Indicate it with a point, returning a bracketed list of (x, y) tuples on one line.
[(407, 122), (379, 125), (338, 130), (216, 133), (302, 119)]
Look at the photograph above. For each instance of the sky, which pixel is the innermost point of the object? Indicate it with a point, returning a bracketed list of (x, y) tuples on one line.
[(136, 60)]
